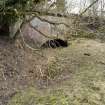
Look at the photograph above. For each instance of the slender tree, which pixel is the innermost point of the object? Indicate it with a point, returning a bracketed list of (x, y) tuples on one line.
[(61, 5)]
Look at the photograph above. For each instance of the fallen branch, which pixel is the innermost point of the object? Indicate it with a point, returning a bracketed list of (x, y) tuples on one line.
[(28, 46), (47, 36), (26, 43)]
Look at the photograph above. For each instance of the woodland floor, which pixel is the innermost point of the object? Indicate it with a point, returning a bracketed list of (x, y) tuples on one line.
[(66, 76)]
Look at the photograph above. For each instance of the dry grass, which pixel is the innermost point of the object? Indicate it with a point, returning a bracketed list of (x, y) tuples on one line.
[(78, 74)]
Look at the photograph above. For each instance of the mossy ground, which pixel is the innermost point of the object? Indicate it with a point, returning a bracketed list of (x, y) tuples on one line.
[(78, 73)]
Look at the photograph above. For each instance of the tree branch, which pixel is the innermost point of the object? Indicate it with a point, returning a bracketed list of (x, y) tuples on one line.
[(89, 7)]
